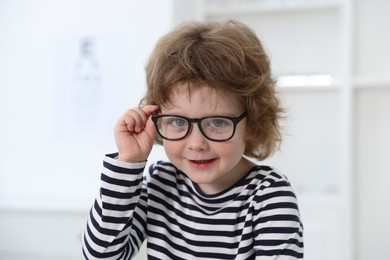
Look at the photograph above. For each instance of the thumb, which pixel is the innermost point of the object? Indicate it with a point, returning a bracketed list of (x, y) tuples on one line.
[(150, 128)]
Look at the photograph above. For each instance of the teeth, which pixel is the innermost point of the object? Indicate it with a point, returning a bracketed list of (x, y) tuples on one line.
[(202, 161)]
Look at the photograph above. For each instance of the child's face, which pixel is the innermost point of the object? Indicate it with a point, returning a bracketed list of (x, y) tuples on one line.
[(214, 166)]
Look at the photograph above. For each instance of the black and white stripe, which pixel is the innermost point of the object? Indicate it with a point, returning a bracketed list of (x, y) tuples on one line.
[(257, 218)]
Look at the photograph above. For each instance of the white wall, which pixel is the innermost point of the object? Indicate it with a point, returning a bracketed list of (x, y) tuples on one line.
[(56, 117), (372, 171), (51, 140), (50, 151), (372, 129)]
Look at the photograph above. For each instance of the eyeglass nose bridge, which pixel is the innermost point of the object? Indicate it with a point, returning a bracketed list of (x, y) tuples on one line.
[(198, 121)]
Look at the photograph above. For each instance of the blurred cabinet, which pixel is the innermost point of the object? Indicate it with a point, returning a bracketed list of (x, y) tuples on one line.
[(372, 128), (302, 37), (308, 42), (44, 234), (41, 234), (373, 172), (332, 62)]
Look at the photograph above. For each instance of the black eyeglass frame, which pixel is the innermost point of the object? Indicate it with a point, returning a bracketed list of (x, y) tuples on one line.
[(234, 119)]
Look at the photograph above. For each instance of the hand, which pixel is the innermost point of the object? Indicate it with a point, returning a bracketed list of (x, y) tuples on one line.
[(134, 134)]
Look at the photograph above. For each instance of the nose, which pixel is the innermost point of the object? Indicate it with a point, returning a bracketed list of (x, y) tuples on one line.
[(195, 139)]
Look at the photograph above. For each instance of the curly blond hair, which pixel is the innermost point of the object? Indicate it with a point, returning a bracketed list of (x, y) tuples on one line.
[(225, 55)]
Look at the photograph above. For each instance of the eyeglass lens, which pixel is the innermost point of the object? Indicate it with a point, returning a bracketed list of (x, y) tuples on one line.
[(216, 128)]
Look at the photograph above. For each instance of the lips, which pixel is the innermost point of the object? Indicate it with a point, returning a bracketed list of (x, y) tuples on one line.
[(202, 162)]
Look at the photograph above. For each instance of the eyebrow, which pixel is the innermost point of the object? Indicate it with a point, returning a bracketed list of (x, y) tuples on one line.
[(175, 112), (203, 116)]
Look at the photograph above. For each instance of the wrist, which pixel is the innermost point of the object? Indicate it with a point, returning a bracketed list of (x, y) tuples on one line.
[(129, 159)]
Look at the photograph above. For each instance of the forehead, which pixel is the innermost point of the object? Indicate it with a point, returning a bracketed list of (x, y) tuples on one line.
[(203, 97)]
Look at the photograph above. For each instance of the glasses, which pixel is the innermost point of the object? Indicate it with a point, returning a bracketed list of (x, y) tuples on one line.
[(214, 128)]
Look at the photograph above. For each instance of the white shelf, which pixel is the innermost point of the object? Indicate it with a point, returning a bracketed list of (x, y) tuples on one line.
[(307, 42), (365, 82), (308, 88), (250, 7), (331, 198), (347, 40), (46, 204), (302, 37), (308, 83)]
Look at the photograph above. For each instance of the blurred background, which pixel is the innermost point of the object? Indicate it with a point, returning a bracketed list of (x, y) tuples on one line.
[(68, 70)]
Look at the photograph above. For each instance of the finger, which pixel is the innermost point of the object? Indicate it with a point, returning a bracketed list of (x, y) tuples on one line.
[(128, 121), (138, 119), (149, 109), (142, 116), (145, 113), (135, 119)]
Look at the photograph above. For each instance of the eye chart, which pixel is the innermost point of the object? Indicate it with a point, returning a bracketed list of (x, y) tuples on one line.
[(88, 86)]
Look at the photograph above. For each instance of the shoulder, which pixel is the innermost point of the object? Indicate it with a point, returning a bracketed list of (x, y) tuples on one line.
[(276, 214), (269, 185), (161, 170), (268, 176), (162, 167)]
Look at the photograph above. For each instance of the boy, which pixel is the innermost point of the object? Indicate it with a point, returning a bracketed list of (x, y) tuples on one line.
[(211, 103)]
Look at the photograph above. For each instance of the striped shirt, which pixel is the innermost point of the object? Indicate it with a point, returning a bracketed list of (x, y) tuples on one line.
[(257, 218)]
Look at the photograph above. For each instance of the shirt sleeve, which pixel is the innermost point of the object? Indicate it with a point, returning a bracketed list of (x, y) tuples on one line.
[(278, 230), (115, 227)]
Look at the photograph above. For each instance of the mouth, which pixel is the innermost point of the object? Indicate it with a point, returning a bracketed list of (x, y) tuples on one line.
[(201, 162)]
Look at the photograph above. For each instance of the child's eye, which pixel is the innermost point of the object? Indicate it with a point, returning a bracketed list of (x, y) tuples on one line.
[(178, 122), (218, 123)]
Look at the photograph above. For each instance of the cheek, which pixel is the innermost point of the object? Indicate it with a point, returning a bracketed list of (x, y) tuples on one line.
[(241, 137), (172, 149), (232, 150)]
